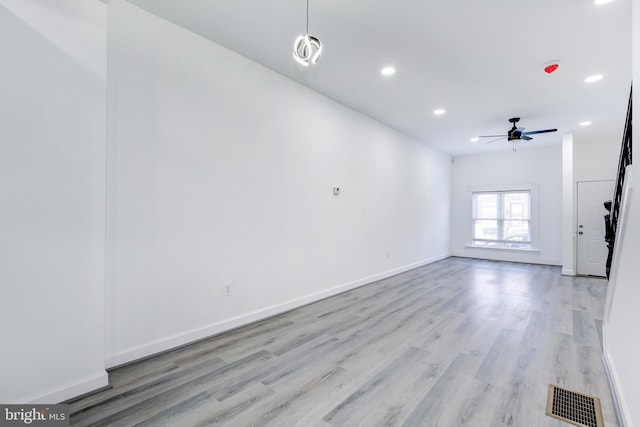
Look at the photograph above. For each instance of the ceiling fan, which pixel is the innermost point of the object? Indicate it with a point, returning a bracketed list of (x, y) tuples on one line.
[(516, 133)]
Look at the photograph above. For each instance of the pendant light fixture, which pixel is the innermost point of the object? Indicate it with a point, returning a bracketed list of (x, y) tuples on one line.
[(307, 48)]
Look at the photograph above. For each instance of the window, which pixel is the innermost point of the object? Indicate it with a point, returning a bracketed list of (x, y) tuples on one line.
[(502, 219)]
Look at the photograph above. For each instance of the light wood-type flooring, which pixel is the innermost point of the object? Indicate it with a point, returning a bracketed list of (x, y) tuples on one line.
[(459, 342)]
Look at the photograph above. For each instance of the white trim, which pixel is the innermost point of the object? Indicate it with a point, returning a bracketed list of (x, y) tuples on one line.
[(568, 272), (627, 192), (176, 340), (502, 248), (504, 187), (619, 404), (68, 391)]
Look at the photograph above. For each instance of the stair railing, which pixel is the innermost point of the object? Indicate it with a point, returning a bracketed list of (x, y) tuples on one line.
[(613, 206)]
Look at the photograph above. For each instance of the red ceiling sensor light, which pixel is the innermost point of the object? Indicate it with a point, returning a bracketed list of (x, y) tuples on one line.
[(551, 68)]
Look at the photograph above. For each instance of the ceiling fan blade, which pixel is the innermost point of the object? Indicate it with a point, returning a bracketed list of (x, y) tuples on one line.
[(525, 138), (492, 136), (534, 132), (503, 137), (520, 129)]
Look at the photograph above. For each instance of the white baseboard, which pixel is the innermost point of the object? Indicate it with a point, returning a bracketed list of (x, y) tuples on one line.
[(68, 391), (549, 261), (167, 343), (506, 255), (568, 272), (620, 406)]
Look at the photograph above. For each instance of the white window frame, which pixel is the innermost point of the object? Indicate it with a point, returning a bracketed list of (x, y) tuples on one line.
[(533, 216)]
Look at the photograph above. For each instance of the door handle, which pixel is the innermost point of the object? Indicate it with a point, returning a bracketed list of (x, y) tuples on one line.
[(580, 232)]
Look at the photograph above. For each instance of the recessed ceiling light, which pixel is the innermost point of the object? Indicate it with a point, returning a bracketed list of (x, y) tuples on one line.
[(475, 139), (439, 112), (602, 1), (388, 71), (585, 123), (594, 78)]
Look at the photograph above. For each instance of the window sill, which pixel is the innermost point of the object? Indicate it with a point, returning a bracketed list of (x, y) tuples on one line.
[(504, 249)]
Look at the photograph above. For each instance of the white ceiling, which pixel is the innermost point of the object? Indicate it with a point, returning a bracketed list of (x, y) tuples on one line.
[(482, 61)]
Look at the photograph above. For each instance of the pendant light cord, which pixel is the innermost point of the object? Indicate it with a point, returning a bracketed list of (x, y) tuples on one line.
[(307, 16)]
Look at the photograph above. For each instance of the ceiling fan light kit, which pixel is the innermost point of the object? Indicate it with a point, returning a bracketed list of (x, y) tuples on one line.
[(307, 48)]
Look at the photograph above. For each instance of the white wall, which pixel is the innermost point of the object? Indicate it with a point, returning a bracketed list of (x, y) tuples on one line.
[(582, 161), (585, 161), (621, 349), (221, 171), (595, 160), (537, 167), (569, 207), (52, 199)]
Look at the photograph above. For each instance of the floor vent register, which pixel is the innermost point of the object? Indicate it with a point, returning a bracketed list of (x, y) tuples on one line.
[(573, 407)]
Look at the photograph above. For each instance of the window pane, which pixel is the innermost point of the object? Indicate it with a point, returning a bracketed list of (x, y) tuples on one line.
[(485, 229), (502, 219), (516, 205), (486, 205), (516, 231)]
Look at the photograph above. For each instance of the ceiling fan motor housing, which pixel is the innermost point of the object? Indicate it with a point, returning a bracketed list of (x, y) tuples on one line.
[(514, 132)]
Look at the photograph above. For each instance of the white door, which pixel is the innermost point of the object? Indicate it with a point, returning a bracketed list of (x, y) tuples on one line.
[(592, 249)]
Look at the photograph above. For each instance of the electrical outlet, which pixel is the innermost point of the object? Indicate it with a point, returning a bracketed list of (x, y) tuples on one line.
[(227, 289), (388, 255)]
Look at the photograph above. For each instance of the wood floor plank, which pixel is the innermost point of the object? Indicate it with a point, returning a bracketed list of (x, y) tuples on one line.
[(356, 406), (301, 403), (204, 410), (460, 342), (132, 412), (500, 358), (436, 400), (115, 401), (475, 405)]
